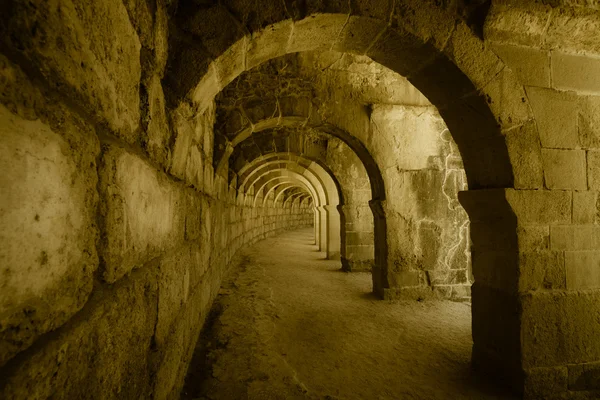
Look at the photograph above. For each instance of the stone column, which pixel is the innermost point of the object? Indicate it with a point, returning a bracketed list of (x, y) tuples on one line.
[(333, 232), (532, 325)]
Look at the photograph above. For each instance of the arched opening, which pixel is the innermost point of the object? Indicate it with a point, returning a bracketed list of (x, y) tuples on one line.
[(482, 107)]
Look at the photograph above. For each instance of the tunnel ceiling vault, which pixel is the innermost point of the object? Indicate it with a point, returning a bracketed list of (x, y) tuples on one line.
[(321, 177), (481, 101), (300, 135), (266, 175), (268, 183)]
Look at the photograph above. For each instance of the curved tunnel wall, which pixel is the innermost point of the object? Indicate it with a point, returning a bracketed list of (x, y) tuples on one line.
[(119, 268)]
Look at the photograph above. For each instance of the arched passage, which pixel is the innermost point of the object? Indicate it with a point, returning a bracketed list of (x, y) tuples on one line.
[(485, 109), (329, 232), (307, 118)]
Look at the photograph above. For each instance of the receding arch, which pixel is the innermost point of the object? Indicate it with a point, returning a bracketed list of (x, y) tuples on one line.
[(481, 102), (327, 195)]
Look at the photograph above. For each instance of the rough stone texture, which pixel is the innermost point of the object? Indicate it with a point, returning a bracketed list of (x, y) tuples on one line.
[(579, 73), (589, 121), (556, 117), (549, 336), (98, 69), (593, 169), (142, 212), (531, 65), (103, 350), (358, 216), (565, 169), (48, 207), (88, 52)]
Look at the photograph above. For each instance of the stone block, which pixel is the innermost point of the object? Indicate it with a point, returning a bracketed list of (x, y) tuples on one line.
[(540, 207), (565, 169), (531, 65), (533, 238), (317, 32), (541, 271), (103, 350), (575, 237), (583, 269), (586, 207), (589, 121), (556, 117), (515, 25), (88, 52), (507, 100), (48, 229), (358, 34), (143, 212), (467, 51), (268, 43), (558, 328), (526, 157), (584, 376), (575, 28), (593, 169), (576, 72), (158, 130), (543, 382)]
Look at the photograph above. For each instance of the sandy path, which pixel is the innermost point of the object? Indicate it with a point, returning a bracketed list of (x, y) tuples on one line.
[(289, 325)]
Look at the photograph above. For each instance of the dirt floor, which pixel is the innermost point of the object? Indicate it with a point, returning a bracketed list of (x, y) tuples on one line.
[(290, 325)]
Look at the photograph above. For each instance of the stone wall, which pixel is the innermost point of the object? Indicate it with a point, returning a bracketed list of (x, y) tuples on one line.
[(428, 230), (352, 176), (115, 236), (422, 170)]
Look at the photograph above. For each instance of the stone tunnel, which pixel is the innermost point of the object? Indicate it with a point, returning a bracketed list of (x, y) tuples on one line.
[(420, 177)]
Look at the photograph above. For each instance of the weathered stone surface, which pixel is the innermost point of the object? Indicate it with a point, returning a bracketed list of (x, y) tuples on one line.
[(531, 65), (541, 206), (533, 237), (593, 169), (526, 157), (104, 350), (558, 328), (142, 210), (88, 52), (574, 237), (574, 72), (517, 25), (541, 271), (317, 32), (589, 121), (583, 269), (565, 169), (584, 376), (556, 117), (586, 207), (573, 28), (48, 207), (157, 127), (544, 382)]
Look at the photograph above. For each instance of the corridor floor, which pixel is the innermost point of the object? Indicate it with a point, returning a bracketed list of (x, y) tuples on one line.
[(290, 325)]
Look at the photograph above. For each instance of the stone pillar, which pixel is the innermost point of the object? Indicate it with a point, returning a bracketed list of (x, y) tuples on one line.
[(317, 216), (380, 267), (533, 326), (324, 239), (333, 233)]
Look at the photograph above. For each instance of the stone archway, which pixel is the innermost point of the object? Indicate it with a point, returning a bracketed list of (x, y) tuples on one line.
[(481, 102)]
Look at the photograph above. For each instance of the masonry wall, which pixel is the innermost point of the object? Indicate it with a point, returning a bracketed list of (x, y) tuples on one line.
[(422, 170), (115, 236), (353, 179), (428, 230)]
